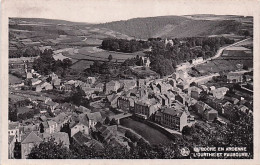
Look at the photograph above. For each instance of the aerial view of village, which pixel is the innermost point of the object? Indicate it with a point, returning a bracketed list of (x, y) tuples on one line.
[(166, 87)]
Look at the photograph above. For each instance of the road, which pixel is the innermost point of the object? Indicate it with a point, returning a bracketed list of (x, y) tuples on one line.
[(218, 54)]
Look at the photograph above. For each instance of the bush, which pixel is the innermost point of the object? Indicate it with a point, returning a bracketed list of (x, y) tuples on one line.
[(131, 136)]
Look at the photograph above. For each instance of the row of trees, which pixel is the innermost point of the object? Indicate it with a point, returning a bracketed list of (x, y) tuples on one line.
[(46, 64), (32, 51), (122, 45)]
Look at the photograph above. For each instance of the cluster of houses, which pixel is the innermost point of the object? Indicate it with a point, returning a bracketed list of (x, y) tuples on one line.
[(66, 124), (168, 101)]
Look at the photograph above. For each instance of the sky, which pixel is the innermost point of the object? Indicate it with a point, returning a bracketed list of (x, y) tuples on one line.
[(100, 11)]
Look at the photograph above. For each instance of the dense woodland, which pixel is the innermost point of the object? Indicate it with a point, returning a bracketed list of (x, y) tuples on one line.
[(46, 64)]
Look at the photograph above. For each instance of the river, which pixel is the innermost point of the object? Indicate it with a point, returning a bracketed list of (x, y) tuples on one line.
[(150, 134)]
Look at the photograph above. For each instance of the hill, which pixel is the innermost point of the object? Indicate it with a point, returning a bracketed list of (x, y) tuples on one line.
[(175, 26)]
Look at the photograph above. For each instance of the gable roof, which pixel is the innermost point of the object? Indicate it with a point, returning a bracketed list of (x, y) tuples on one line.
[(80, 138), (58, 137), (32, 138), (60, 117), (172, 112), (96, 116)]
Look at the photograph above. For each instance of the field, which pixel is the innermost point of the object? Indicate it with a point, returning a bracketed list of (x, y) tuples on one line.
[(13, 79), (87, 55), (219, 65), (81, 65)]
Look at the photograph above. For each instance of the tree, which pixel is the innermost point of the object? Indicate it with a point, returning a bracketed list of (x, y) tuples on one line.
[(50, 150), (78, 97), (12, 112), (66, 63), (186, 130), (110, 57), (113, 122), (246, 33), (106, 121)]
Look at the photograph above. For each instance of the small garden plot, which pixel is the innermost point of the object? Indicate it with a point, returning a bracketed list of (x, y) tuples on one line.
[(81, 65)]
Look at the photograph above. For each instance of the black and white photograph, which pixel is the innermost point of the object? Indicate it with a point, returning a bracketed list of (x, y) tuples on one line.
[(152, 85)]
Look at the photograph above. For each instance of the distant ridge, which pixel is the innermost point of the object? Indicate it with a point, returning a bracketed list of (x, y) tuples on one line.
[(47, 21), (175, 26)]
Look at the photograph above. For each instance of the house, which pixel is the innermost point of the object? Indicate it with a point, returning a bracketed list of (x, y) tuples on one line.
[(81, 140), (197, 60), (25, 129), (163, 101), (79, 123), (11, 145), (56, 82), (194, 92), (158, 117), (29, 75), (174, 118), (145, 108), (66, 87), (215, 103), (146, 61), (83, 109), (231, 99), (61, 119), (249, 77), (59, 137), (243, 108), (206, 111), (13, 136), (91, 80), (13, 130), (35, 81), (219, 93), (112, 99), (234, 77), (112, 86), (204, 88), (106, 132), (116, 141), (123, 103), (93, 118), (172, 82), (127, 84), (48, 126), (210, 114), (53, 76), (88, 91), (51, 105), (170, 96), (28, 142), (80, 127), (43, 86), (42, 118), (100, 86)]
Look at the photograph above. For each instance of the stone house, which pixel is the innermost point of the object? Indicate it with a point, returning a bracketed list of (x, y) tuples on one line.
[(28, 142)]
